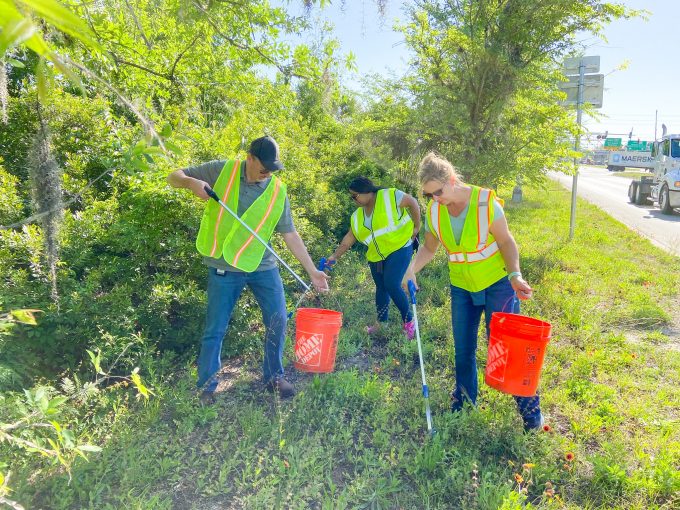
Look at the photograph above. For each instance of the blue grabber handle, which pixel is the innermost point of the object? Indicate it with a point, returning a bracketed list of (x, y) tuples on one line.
[(324, 264), (412, 291)]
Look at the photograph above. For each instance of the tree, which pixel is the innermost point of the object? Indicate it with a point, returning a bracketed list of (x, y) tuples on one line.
[(482, 69)]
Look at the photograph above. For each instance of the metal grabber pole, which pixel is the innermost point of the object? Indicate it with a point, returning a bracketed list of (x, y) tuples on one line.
[(214, 196), (426, 390)]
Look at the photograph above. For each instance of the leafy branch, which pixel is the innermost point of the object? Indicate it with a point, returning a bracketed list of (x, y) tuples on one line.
[(40, 428)]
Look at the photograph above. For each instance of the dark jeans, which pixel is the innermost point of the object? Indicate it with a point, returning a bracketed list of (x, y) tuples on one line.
[(466, 312), (387, 275), (223, 293)]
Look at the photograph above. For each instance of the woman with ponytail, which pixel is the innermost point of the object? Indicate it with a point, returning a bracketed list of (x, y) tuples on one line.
[(387, 221)]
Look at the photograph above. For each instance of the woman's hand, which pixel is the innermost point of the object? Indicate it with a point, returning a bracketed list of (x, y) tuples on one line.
[(330, 261), (409, 275), (521, 288)]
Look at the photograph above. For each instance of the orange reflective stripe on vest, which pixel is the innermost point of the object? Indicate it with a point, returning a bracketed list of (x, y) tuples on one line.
[(475, 262), (270, 206), (221, 212)]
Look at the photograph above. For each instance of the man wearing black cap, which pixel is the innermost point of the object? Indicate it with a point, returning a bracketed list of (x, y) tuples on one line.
[(234, 260)]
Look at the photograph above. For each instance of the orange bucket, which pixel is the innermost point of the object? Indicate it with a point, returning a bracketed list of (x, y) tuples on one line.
[(316, 339), (516, 349)]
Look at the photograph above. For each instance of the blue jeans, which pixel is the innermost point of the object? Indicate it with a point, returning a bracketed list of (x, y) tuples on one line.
[(387, 275), (223, 293), (466, 312)]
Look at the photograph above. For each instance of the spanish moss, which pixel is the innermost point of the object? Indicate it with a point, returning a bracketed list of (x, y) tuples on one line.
[(4, 95), (46, 196)]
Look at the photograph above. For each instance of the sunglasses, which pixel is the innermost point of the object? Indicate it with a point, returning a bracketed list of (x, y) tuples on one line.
[(354, 195), (437, 193)]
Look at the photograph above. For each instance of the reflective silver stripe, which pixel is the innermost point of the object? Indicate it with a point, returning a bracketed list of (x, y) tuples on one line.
[(483, 254), (483, 217), (475, 256), (355, 224), (388, 206), (434, 216), (388, 229)]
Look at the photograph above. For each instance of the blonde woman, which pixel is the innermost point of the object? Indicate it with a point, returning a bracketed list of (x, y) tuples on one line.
[(484, 271)]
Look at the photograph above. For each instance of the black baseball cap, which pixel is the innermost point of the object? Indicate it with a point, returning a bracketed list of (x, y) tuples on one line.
[(266, 150)]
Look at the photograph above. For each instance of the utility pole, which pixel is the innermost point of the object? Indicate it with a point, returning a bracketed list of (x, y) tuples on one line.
[(577, 143)]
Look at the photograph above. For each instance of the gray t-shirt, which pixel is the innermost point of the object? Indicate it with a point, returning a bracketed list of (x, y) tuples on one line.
[(248, 193), (458, 222)]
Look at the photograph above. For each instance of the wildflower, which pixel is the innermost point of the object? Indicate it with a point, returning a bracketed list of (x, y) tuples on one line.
[(548, 485), (569, 456), (633, 355), (549, 492), (547, 428), (528, 465), (518, 478)]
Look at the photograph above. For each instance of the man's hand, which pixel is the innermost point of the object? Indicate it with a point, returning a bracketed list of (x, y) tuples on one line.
[(197, 187), (319, 280)]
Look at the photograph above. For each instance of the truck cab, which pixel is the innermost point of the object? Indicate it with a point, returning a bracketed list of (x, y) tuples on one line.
[(666, 187)]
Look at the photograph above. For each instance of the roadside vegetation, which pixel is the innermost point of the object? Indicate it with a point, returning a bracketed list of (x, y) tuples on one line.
[(356, 438), (102, 293)]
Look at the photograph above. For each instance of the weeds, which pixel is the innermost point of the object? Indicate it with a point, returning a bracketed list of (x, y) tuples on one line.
[(356, 438)]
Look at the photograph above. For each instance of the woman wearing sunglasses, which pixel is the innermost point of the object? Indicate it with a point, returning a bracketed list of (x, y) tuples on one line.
[(387, 221), (484, 268)]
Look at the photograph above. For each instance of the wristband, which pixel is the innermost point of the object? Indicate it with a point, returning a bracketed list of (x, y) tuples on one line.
[(513, 274)]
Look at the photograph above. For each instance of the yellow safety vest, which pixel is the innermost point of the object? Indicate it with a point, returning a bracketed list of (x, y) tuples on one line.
[(388, 231), (475, 263), (221, 235)]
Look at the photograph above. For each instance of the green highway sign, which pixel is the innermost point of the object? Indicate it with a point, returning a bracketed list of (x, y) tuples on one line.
[(612, 142), (638, 146)]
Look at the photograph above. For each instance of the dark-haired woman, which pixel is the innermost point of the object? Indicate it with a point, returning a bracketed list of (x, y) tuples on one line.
[(387, 221)]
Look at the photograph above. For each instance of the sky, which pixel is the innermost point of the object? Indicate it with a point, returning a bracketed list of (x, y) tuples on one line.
[(632, 96)]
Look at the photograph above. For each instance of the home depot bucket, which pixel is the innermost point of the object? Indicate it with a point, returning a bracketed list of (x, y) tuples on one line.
[(316, 339), (516, 349)]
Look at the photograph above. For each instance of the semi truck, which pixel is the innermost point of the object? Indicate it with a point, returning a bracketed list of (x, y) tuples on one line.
[(619, 160), (663, 187)]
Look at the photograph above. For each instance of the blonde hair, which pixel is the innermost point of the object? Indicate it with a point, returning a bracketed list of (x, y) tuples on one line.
[(434, 167)]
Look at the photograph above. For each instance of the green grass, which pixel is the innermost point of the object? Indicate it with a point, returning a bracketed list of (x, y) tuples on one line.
[(632, 174), (356, 438)]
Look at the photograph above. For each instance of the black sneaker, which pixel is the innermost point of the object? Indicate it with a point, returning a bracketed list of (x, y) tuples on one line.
[(280, 386)]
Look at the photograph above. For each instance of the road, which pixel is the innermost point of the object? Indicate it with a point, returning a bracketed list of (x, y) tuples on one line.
[(610, 192)]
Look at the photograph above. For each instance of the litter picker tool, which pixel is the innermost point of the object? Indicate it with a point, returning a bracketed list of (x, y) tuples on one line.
[(426, 390), (214, 196)]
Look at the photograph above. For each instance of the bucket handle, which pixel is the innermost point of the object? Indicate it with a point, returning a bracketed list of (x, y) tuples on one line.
[(511, 300), (323, 264)]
